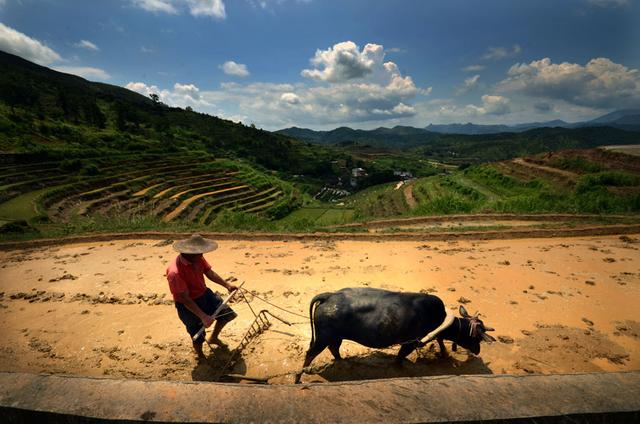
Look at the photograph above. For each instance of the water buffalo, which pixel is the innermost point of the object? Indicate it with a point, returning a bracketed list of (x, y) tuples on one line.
[(381, 318)]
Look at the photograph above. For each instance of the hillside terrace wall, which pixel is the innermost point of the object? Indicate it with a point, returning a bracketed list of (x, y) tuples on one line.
[(598, 397), (620, 229)]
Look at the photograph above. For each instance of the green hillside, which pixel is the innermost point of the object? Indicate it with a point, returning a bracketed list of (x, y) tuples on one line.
[(78, 156), (460, 148), (48, 115), (592, 181)]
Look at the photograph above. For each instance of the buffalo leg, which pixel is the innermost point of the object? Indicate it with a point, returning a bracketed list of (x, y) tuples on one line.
[(405, 350), (443, 349), (313, 351), (334, 348)]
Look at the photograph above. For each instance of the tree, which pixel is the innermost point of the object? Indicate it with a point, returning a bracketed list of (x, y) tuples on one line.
[(155, 98)]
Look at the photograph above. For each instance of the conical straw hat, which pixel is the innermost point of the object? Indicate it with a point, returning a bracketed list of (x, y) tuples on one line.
[(195, 244)]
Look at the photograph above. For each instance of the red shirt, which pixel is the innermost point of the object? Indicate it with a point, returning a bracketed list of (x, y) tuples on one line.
[(184, 275)]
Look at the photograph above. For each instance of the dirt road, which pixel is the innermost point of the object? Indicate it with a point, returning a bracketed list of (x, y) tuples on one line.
[(103, 308)]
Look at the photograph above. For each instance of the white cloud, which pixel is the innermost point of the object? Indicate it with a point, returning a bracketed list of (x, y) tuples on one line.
[(165, 6), (181, 95), (290, 98), (448, 111), (468, 85), (473, 68), (352, 86), (494, 105), (84, 44), (344, 61), (213, 8), (497, 53), (383, 94), (15, 42), (232, 68), (84, 72), (600, 83), (280, 105)]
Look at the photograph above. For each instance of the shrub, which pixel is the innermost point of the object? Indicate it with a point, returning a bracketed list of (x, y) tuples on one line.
[(576, 163), (69, 165), (609, 178)]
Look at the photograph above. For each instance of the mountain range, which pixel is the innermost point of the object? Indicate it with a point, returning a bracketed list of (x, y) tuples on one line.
[(48, 115), (627, 119)]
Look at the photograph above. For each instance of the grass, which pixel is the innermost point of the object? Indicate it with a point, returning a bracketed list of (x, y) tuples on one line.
[(318, 216), (23, 207), (576, 164), (379, 201)]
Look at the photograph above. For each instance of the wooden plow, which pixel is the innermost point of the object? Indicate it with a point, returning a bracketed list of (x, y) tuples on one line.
[(259, 325)]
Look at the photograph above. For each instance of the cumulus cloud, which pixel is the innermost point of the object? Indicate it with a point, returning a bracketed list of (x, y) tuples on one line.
[(88, 45), (181, 95), (344, 61), (473, 68), (232, 68), (497, 53), (448, 111), (600, 83), (164, 6), (468, 85), (213, 8), (84, 72), (290, 98), (329, 97), (348, 85), (494, 105), (15, 42)]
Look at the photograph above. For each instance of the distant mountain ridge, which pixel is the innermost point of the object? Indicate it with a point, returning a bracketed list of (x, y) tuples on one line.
[(627, 119)]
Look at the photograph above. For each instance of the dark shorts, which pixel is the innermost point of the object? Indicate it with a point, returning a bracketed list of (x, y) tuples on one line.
[(208, 302)]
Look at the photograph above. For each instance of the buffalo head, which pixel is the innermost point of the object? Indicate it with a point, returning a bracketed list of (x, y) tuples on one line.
[(471, 331)]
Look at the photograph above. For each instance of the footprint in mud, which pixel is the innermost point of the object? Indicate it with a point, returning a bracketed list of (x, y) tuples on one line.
[(628, 328), (560, 349), (42, 347)]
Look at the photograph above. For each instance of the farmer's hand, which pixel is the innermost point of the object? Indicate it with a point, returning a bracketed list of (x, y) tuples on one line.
[(231, 287), (207, 320)]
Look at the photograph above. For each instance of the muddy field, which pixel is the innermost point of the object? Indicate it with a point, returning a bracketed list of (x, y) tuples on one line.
[(104, 308)]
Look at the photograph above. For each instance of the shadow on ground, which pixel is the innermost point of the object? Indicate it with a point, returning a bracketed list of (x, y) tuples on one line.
[(212, 368), (380, 365)]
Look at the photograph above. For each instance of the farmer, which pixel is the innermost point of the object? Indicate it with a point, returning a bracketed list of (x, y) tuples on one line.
[(194, 301)]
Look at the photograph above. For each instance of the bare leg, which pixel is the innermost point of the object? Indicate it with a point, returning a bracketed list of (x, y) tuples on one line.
[(198, 348), (443, 349), (217, 328)]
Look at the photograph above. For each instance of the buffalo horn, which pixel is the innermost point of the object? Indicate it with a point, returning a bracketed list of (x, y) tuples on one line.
[(487, 338), (448, 320)]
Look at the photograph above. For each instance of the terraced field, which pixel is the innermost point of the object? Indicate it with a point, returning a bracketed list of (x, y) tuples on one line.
[(183, 188), (593, 181)]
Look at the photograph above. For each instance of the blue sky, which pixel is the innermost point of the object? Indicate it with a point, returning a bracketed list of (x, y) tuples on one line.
[(361, 63)]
